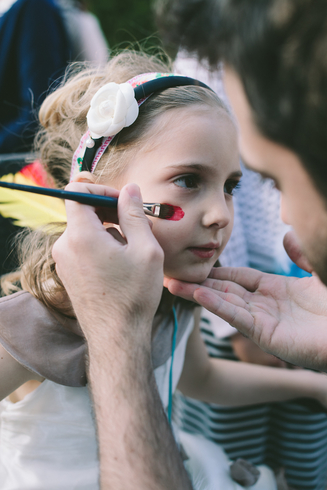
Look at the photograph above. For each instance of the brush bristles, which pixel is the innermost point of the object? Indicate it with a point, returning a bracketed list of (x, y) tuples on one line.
[(166, 211)]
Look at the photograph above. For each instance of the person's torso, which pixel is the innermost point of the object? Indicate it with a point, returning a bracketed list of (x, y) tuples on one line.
[(48, 439)]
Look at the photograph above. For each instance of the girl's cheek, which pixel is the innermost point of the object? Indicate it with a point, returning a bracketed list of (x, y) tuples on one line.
[(168, 240), (160, 234)]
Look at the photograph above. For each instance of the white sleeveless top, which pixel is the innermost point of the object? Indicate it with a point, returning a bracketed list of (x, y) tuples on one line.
[(48, 440)]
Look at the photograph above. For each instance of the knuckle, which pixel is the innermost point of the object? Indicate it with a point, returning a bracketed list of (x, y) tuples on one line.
[(153, 249), (150, 253), (58, 249), (73, 187), (136, 213), (55, 251)]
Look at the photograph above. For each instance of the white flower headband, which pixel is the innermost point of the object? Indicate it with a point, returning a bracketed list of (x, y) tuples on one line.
[(114, 107)]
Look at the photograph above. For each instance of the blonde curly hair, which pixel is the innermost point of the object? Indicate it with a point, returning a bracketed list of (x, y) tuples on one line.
[(62, 118)]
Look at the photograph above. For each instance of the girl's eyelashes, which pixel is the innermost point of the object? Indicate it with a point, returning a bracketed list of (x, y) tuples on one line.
[(275, 185), (231, 185), (192, 181), (188, 181)]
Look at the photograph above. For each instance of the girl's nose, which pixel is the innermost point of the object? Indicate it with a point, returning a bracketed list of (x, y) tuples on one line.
[(218, 213)]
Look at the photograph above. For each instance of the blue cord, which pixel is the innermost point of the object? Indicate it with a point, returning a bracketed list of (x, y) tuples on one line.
[(173, 345)]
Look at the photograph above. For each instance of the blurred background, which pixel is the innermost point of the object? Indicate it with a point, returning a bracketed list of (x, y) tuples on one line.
[(134, 20)]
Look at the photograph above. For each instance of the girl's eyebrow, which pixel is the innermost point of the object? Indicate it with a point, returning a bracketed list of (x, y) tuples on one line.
[(238, 174), (189, 166), (200, 168)]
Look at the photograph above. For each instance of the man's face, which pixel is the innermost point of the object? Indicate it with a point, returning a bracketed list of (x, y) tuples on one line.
[(301, 204)]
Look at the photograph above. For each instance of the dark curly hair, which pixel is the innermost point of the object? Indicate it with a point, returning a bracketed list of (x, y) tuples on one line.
[(278, 48)]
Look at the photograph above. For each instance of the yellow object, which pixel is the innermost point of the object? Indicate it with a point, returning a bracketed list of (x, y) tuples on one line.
[(27, 209)]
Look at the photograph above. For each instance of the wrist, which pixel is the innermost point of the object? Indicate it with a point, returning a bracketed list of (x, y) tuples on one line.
[(122, 369), (316, 385), (117, 341), (111, 327)]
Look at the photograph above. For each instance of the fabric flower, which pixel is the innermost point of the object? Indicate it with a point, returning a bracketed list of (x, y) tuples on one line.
[(113, 108)]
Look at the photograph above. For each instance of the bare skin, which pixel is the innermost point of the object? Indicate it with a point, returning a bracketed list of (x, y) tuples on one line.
[(285, 316), (127, 396), (279, 314), (231, 383), (144, 447), (247, 351), (138, 443), (144, 450)]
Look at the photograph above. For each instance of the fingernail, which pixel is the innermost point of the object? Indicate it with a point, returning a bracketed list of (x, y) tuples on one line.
[(134, 192)]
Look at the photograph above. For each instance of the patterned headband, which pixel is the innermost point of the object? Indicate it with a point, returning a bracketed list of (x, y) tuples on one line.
[(114, 107)]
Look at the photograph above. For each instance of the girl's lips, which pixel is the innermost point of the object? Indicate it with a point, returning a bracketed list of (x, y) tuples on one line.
[(203, 252)]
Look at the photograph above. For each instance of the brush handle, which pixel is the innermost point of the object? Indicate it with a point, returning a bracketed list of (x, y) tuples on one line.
[(81, 197)]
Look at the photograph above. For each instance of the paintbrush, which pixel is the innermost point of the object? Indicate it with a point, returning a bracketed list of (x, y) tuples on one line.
[(163, 211)]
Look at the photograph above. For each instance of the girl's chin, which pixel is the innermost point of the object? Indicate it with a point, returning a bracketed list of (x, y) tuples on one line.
[(193, 278)]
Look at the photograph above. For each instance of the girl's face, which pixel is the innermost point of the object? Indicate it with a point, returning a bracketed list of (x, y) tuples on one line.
[(189, 160)]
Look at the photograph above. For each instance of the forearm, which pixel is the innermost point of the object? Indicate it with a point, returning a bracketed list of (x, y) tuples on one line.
[(239, 384), (137, 448), (115, 307)]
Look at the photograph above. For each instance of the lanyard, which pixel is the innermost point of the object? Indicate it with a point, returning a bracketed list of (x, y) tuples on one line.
[(173, 345)]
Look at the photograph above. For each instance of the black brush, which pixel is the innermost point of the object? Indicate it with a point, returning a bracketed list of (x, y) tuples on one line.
[(163, 211)]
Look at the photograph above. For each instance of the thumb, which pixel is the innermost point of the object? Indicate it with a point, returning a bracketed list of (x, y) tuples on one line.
[(133, 222), (293, 249)]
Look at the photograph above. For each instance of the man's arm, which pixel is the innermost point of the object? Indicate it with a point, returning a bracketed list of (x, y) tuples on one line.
[(137, 448), (115, 288)]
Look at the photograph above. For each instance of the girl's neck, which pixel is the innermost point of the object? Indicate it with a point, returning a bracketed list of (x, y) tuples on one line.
[(164, 309), (166, 302)]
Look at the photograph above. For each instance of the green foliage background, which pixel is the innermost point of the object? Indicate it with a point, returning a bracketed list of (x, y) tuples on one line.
[(126, 21)]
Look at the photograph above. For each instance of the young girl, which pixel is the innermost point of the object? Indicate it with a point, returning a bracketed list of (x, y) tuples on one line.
[(178, 143)]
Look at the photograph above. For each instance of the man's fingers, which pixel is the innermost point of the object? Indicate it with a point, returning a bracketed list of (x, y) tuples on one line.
[(229, 307), (293, 249), (90, 188), (185, 290), (132, 220), (245, 277), (225, 287), (80, 214)]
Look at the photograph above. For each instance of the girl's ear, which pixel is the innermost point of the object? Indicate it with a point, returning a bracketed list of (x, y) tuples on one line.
[(85, 177)]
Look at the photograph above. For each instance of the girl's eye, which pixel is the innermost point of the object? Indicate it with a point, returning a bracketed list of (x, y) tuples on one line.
[(189, 181), (230, 186)]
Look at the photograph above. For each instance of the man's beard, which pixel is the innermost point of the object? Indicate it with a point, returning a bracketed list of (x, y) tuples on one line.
[(316, 253)]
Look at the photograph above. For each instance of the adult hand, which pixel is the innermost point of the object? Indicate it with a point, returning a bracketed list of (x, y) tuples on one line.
[(294, 251), (247, 351), (106, 276), (285, 316)]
